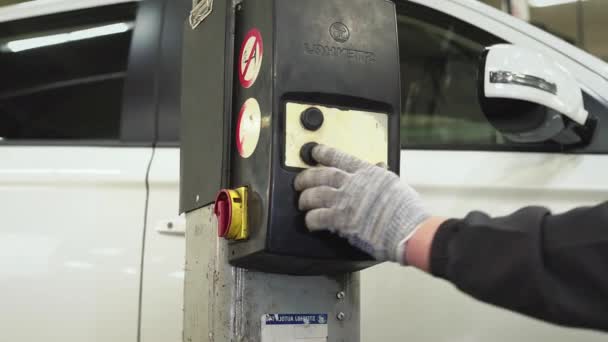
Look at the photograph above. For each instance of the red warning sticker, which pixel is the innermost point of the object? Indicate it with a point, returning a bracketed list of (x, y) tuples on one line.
[(250, 57), (248, 128)]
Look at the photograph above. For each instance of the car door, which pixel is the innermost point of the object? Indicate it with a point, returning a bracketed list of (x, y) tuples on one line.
[(75, 146), (164, 252), (459, 162)]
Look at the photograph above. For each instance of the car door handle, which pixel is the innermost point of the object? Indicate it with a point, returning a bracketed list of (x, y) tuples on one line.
[(174, 226)]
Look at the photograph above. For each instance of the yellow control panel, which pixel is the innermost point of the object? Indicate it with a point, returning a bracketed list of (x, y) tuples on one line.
[(359, 133)]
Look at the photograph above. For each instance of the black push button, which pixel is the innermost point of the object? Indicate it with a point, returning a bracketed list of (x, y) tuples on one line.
[(306, 153), (312, 118)]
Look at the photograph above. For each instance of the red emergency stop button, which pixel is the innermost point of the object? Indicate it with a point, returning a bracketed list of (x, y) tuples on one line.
[(231, 212), (223, 212)]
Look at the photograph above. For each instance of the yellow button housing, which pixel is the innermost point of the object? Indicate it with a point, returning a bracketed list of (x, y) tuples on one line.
[(231, 212)]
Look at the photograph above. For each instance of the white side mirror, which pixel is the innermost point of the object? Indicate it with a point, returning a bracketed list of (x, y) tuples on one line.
[(530, 98)]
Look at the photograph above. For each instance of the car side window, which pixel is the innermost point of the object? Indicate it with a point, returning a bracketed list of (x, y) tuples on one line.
[(63, 74), (439, 64), (439, 60)]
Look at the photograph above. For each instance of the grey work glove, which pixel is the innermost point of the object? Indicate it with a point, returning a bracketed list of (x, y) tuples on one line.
[(366, 204)]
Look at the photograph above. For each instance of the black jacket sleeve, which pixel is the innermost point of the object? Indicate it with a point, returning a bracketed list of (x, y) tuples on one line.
[(552, 267)]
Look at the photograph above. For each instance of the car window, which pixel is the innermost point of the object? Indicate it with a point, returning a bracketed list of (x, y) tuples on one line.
[(439, 63), (439, 60), (62, 74)]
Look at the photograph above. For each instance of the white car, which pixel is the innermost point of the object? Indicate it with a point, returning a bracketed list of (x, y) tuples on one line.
[(91, 243)]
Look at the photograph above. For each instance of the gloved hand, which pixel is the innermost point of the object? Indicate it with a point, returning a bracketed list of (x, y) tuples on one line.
[(366, 204)]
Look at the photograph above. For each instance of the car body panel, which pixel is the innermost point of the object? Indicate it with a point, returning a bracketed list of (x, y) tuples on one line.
[(70, 243), (164, 255), (460, 181)]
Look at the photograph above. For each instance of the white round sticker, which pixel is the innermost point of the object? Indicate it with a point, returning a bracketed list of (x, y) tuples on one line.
[(248, 128), (250, 57)]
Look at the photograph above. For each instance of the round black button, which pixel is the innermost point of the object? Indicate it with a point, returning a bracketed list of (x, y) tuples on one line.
[(306, 153), (312, 118)]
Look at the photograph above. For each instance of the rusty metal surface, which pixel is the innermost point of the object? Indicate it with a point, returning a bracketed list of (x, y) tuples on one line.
[(223, 303)]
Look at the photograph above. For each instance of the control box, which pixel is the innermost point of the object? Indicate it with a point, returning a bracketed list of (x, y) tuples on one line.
[(296, 74)]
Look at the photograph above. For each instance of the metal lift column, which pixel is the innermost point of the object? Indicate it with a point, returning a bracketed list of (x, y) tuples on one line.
[(263, 81)]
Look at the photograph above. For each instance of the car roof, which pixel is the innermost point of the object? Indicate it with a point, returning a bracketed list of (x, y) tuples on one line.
[(36, 8)]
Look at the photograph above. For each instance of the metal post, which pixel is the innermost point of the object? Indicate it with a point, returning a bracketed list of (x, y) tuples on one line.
[(580, 24), (223, 303), (506, 6)]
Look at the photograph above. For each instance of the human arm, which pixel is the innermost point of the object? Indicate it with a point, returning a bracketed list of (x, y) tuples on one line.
[(553, 267)]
